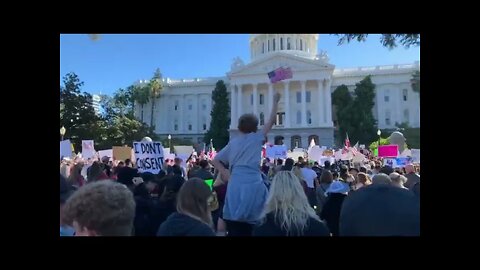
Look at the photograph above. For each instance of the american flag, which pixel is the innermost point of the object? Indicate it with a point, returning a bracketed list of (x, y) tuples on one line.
[(347, 145), (280, 74), (354, 149)]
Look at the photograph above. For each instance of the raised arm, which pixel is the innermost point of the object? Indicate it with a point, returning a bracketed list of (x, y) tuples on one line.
[(273, 115)]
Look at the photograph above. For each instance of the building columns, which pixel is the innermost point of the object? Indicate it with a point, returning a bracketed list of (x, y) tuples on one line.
[(286, 98), (303, 119), (233, 107), (255, 100)]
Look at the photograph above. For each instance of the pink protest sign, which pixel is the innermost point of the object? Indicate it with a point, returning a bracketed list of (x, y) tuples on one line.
[(388, 150)]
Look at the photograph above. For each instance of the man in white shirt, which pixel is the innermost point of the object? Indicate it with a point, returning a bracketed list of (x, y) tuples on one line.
[(310, 177)]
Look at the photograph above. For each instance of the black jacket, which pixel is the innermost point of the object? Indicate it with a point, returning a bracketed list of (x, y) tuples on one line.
[(126, 175), (182, 225), (272, 228), (331, 211)]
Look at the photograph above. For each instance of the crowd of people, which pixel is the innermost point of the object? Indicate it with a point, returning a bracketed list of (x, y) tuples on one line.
[(249, 196)]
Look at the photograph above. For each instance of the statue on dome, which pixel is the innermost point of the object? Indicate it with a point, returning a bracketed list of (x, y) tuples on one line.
[(237, 63), (323, 56)]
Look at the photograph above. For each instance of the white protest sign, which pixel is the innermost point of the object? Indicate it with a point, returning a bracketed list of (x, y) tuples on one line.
[(416, 155), (167, 155), (148, 156), (88, 149), (105, 153), (325, 158), (359, 157), (315, 153), (65, 149), (183, 149), (406, 153), (276, 151), (298, 150), (295, 155)]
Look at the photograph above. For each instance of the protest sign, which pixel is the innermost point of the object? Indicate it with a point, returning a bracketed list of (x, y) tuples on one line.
[(325, 158), (121, 152), (105, 153), (415, 155), (295, 155), (65, 149), (388, 150), (402, 161), (276, 151), (88, 149), (315, 153), (359, 157), (148, 156), (183, 149)]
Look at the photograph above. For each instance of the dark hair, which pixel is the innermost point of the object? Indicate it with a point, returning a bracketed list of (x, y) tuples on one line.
[(363, 169), (171, 185), (95, 171), (176, 170), (121, 163), (288, 165), (335, 174), (203, 163), (315, 163), (279, 161), (327, 164), (326, 177), (193, 199), (128, 161), (248, 123), (106, 207)]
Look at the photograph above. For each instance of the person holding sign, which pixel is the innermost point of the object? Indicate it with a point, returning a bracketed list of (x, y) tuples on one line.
[(246, 193)]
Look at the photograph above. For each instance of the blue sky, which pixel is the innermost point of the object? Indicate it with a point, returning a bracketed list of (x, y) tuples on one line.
[(117, 60)]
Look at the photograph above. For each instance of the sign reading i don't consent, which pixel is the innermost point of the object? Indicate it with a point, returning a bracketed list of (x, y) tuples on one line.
[(148, 156)]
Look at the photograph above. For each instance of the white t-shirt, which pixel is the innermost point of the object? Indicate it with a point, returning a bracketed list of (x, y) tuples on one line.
[(309, 175)]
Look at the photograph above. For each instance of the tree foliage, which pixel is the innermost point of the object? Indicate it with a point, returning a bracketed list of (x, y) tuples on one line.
[(415, 81), (390, 41), (354, 114), (220, 114)]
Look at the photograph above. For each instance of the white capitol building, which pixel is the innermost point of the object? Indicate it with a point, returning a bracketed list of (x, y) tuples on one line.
[(305, 109)]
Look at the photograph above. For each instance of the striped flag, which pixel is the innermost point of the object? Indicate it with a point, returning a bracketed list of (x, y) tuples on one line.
[(347, 145), (280, 74), (355, 149)]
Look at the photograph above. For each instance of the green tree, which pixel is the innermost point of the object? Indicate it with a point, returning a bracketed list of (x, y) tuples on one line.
[(155, 88), (77, 114), (390, 41), (218, 130), (354, 114), (141, 95)]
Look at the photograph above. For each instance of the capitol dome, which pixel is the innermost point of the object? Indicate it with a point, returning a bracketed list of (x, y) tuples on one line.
[(302, 45)]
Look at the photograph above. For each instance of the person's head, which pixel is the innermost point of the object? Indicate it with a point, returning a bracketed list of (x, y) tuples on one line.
[(177, 161), (315, 164), (171, 186), (95, 171), (326, 177), (128, 162), (398, 179), (302, 164), (176, 170), (327, 164), (150, 181), (363, 169), (204, 164), (121, 164), (288, 164), (386, 170), (288, 202), (381, 179), (364, 179), (335, 175), (193, 199), (409, 168), (105, 159), (338, 187), (300, 159), (343, 170), (103, 208), (353, 172), (75, 173), (380, 210), (280, 161), (248, 123)]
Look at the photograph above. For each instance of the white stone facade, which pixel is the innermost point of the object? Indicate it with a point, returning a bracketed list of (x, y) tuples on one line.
[(305, 109)]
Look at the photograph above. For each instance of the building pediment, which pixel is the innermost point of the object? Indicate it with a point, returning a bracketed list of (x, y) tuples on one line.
[(276, 60)]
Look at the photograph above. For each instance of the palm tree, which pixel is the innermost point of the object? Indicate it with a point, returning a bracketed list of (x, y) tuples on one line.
[(155, 88), (141, 95)]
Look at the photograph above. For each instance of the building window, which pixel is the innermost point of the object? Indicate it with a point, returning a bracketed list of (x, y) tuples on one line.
[(405, 115), (268, 48), (261, 99), (301, 45), (189, 107), (387, 118), (386, 97), (262, 119), (299, 117), (308, 96), (176, 105), (288, 44), (281, 43), (405, 94), (204, 126), (204, 106), (189, 126), (279, 120), (309, 117), (299, 97), (274, 44), (263, 47), (251, 99)]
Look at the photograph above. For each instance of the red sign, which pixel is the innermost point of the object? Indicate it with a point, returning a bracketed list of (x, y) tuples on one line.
[(388, 150)]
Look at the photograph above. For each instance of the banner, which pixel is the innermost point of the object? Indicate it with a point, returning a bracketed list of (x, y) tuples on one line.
[(121, 153), (88, 149), (105, 153), (315, 153), (280, 74), (388, 150), (148, 156), (276, 151), (65, 149), (359, 158), (399, 162), (415, 155)]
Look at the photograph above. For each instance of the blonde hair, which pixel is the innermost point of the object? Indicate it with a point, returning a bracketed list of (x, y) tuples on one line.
[(288, 203)]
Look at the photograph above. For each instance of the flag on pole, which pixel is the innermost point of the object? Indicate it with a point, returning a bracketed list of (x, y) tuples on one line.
[(280, 74), (355, 149), (347, 145)]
